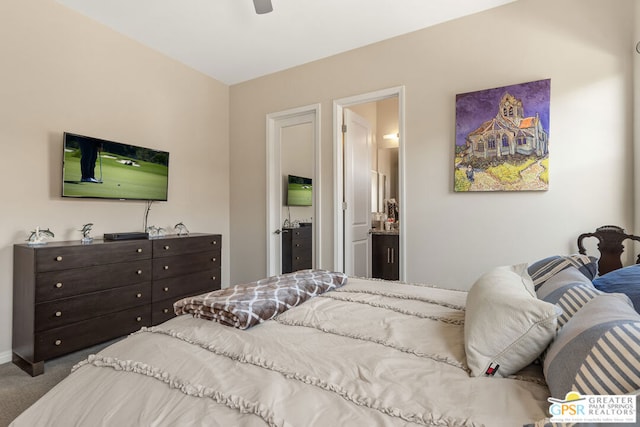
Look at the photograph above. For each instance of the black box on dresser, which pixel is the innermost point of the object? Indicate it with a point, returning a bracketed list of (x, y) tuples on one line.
[(68, 295)]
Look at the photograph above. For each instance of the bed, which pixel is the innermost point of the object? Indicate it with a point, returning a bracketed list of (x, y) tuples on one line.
[(361, 352)]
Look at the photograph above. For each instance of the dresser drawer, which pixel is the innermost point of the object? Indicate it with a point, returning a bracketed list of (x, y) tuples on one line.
[(162, 311), (59, 341), (301, 246), (186, 285), (60, 284), (184, 264), (64, 311), (186, 245), (301, 233), (300, 262), (56, 257)]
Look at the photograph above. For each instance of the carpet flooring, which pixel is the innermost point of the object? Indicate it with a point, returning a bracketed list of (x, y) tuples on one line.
[(19, 390)]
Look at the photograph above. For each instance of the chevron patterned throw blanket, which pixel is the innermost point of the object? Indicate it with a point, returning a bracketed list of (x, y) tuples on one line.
[(243, 306)]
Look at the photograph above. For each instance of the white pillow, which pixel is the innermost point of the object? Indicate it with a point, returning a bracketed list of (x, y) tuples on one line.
[(506, 327)]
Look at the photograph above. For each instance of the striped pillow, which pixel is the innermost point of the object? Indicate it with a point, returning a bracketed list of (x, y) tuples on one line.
[(597, 351), (545, 269), (570, 290)]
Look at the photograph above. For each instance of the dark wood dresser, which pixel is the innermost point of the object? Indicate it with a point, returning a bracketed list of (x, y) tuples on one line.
[(297, 248), (385, 255), (68, 295)]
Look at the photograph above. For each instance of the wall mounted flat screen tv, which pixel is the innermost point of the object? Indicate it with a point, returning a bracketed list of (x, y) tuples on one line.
[(98, 168), (299, 191)]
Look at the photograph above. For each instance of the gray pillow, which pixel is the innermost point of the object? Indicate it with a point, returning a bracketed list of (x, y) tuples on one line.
[(569, 290), (597, 350), (544, 269)]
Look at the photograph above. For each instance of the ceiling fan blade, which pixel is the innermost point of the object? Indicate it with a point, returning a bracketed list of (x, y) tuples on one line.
[(262, 6)]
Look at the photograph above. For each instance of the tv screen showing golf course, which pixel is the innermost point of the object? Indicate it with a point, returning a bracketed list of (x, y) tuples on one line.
[(103, 169), (299, 191)]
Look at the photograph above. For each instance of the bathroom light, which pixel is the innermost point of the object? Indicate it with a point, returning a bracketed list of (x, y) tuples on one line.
[(394, 136)]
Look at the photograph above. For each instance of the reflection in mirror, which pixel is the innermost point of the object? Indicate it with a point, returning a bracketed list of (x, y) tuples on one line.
[(297, 211), (292, 149), (296, 160)]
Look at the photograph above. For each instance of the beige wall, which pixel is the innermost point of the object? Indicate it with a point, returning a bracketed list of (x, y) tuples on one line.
[(63, 72), (636, 120), (583, 46)]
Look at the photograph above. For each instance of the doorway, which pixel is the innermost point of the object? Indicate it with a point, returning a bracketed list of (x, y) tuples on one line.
[(292, 149), (379, 191)]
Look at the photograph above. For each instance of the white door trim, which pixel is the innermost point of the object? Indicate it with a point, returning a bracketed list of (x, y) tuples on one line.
[(338, 161), (275, 121)]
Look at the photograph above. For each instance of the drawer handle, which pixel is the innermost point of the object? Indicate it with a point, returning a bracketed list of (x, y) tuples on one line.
[(213, 277), (59, 285), (58, 342), (139, 272), (297, 245), (166, 289), (58, 258), (138, 295), (297, 258), (214, 259), (138, 319), (166, 267), (165, 311), (166, 247), (214, 242), (58, 314), (139, 250)]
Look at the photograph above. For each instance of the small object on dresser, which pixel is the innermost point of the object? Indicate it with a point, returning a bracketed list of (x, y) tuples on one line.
[(38, 236), (126, 236), (86, 233), (181, 229), (155, 232)]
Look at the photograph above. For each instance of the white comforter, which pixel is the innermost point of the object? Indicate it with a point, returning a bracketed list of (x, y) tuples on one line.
[(372, 353)]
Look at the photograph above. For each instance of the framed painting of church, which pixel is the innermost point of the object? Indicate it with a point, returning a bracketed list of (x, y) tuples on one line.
[(502, 138)]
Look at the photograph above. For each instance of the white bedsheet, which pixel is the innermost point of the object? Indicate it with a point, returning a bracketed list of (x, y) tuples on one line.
[(373, 353)]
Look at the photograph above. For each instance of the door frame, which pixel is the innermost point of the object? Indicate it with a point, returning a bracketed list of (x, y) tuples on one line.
[(274, 123), (338, 165)]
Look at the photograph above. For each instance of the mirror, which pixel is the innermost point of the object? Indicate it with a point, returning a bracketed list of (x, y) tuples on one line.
[(292, 149), (297, 159)]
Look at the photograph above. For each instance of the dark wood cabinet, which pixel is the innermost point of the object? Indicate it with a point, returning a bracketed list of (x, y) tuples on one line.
[(385, 262), (68, 296), (297, 249)]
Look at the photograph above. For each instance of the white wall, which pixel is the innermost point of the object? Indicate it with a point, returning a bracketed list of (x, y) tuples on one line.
[(64, 72), (581, 45)]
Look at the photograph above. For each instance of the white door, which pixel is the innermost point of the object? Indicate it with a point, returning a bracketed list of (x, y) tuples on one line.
[(357, 192)]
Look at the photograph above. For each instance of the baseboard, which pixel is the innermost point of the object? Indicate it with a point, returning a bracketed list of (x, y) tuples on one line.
[(5, 357)]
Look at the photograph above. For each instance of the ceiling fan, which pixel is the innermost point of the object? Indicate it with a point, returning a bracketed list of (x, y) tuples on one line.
[(262, 6)]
